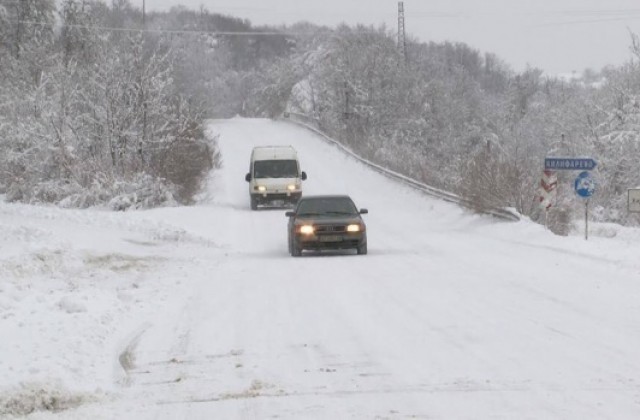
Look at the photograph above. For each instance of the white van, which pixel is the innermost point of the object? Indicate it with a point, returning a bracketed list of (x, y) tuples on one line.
[(274, 176)]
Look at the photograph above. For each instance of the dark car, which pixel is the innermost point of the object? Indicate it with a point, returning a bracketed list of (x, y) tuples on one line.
[(326, 222)]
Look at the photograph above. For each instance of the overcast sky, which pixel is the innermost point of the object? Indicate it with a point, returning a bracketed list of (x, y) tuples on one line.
[(558, 36)]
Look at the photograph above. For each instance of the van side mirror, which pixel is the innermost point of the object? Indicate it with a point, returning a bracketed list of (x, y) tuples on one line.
[(364, 211), (290, 213), (247, 178), (303, 175)]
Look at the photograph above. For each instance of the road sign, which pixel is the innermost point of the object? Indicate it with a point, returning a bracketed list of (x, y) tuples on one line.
[(585, 185), (634, 201), (569, 164)]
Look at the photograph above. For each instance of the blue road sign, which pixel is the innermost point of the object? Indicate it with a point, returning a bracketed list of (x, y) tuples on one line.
[(585, 185), (569, 164)]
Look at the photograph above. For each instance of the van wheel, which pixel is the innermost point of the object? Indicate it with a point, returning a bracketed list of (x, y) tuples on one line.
[(254, 203), (362, 249)]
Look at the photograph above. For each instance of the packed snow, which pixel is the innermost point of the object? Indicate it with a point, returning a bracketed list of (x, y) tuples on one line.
[(199, 312)]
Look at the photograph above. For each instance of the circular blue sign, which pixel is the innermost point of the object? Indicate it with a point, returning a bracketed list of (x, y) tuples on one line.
[(585, 185)]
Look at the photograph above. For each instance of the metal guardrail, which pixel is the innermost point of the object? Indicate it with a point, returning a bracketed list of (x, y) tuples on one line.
[(312, 124)]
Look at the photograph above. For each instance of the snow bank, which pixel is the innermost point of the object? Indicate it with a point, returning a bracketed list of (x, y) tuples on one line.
[(33, 397)]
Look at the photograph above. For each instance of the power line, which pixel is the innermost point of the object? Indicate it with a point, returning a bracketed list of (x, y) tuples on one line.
[(624, 13), (178, 31), (583, 22), (169, 31), (608, 16), (592, 12)]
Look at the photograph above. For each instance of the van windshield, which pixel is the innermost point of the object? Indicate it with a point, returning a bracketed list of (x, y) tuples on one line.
[(275, 169)]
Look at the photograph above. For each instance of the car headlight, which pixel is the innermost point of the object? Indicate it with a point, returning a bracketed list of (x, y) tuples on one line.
[(291, 187), (354, 228), (262, 188), (306, 229)]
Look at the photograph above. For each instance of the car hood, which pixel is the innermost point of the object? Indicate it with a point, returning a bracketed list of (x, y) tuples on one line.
[(328, 220)]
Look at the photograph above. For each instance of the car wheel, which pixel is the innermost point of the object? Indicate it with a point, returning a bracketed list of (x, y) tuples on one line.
[(296, 251), (254, 203), (362, 249)]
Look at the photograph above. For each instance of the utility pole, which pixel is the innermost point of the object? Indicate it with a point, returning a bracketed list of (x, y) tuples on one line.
[(402, 45), (142, 88), (21, 18), (346, 101)]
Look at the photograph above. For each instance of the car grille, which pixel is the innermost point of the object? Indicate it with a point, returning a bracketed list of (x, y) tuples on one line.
[(330, 228)]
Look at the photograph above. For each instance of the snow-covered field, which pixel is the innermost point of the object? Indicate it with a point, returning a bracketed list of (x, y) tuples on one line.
[(199, 312)]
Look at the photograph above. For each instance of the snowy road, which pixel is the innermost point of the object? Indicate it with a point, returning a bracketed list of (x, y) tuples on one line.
[(201, 314)]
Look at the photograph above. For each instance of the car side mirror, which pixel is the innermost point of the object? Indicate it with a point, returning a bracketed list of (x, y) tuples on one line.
[(303, 175), (364, 211), (290, 213), (247, 177)]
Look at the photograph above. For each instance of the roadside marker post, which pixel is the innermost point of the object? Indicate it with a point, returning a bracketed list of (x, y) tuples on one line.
[(547, 192), (633, 200)]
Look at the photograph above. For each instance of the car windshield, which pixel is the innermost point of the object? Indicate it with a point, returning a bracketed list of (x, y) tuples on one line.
[(327, 206), (275, 169)]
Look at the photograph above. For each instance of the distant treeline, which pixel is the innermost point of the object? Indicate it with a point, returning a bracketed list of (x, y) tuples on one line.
[(98, 105)]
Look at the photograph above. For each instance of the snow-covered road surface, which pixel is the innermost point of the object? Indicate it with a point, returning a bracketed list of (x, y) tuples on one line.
[(200, 313)]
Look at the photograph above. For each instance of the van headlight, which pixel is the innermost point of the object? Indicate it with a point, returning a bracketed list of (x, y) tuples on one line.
[(261, 188), (292, 187)]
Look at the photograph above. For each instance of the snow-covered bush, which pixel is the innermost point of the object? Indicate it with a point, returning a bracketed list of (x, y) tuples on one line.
[(186, 163), (53, 191), (143, 192)]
